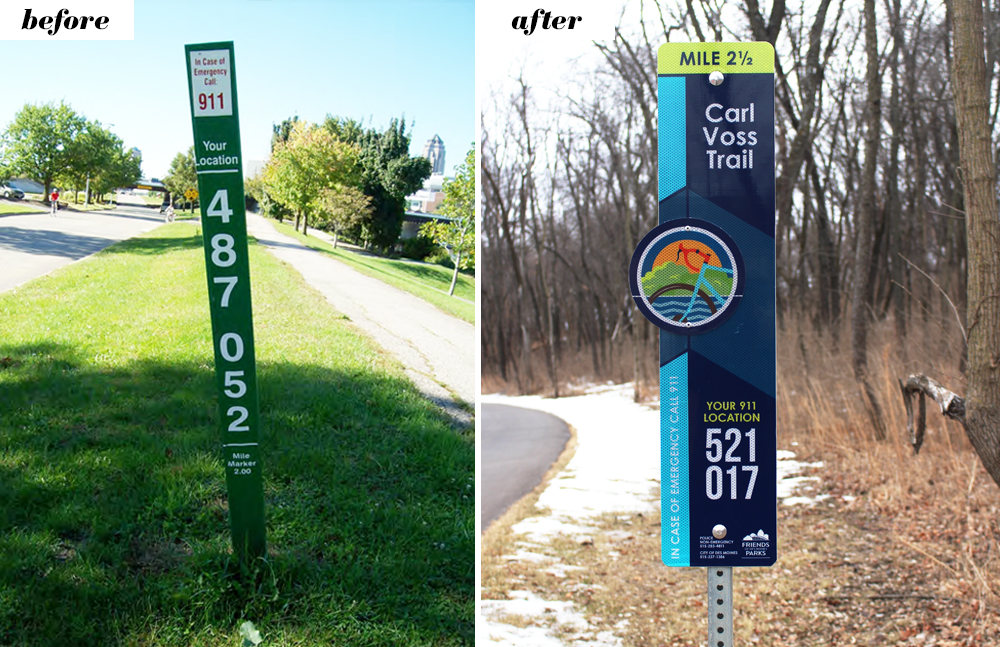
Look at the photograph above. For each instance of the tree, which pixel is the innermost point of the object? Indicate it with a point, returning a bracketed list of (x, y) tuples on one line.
[(388, 175), (40, 141), (93, 152), (254, 187), (182, 177), (862, 296), (283, 131), (972, 113), (458, 235), (311, 160), (257, 188), (123, 168), (555, 231), (343, 208)]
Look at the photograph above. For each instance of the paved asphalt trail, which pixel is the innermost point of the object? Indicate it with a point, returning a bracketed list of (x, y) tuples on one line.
[(518, 447), (32, 245), (436, 350)]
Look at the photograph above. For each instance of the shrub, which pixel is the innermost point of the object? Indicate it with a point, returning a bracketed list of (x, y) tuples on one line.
[(418, 248)]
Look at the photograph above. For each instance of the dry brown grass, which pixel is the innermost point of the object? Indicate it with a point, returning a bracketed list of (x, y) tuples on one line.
[(576, 371), (905, 551), (940, 505)]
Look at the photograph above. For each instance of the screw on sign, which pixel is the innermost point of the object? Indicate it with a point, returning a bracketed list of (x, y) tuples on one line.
[(705, 277), (215, 120)]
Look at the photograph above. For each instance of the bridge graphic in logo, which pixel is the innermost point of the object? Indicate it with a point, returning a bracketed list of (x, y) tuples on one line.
[(687, 276)]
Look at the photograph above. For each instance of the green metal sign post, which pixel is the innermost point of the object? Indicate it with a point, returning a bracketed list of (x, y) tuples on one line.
[(218, 163)]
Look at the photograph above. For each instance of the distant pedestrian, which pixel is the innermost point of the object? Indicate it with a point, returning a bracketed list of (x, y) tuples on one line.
[(168, 213), (54, 198)]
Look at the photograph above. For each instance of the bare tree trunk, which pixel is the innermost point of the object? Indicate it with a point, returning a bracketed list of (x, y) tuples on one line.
[(454, 275), (863, 235), (894, 210), (811, 80), (828, 261), (983, 232), (916, 213)]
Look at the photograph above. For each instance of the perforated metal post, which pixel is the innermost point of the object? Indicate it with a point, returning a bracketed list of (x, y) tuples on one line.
[(720, 606)]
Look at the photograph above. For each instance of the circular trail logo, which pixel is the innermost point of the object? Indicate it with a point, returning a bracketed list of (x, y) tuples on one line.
[(687, 276)]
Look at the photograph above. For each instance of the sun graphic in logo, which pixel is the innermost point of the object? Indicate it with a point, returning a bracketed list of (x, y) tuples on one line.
[(687, 276)]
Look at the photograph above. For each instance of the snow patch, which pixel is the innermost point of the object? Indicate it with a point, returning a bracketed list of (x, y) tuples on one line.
[(560, 570), (789, 484), (526, 556), (510, 636), (539, 530), (526, 604)]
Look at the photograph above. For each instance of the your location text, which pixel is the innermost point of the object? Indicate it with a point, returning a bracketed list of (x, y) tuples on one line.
[(548, 22), (51, 24)]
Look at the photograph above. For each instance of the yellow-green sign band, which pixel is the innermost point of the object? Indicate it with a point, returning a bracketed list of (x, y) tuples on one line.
[(704, 58)]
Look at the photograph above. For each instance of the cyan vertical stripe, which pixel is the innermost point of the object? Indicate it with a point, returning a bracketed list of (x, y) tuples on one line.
[(675, 522), (671, 134)]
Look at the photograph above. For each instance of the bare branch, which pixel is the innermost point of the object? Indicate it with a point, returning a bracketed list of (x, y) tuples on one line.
[(952, 405), (958, 317)]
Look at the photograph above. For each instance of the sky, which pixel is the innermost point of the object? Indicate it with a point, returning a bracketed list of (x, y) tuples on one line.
[(552, 63), (370, 60), (547, 58)]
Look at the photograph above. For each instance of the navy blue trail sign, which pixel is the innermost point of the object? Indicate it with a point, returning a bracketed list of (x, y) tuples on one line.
[(705, 276)]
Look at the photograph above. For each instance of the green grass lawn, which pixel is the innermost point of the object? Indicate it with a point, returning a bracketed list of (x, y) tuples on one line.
[(79, 203), (95, 206), (424, 280), (113, 517), (20, 207), (33, 204)]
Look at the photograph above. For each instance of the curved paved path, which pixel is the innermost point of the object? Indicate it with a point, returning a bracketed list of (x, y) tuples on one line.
[(436, 349), (518, 448)]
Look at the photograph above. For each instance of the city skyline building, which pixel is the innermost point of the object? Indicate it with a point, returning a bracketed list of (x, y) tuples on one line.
[(434, 152)]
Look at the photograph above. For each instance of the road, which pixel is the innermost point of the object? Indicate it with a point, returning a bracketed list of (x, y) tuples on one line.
[(436, 350), (32, 245), (518, 448)]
